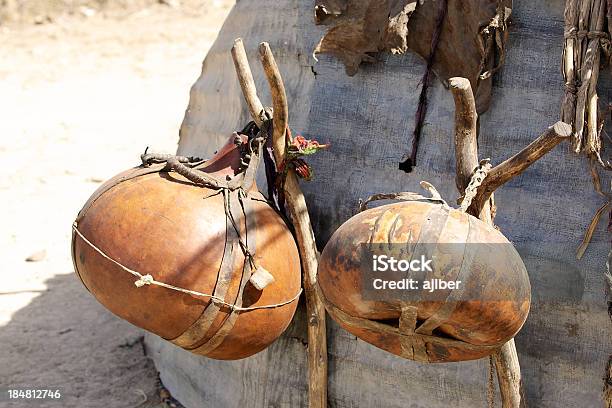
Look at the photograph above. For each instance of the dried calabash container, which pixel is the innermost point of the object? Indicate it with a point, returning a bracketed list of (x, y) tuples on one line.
[(228, 294), (464, 322)]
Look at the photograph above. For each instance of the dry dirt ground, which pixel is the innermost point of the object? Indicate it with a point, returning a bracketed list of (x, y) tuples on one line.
[(80, 99)]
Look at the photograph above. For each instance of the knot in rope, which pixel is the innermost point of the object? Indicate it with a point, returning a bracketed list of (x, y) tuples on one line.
[(571, 88), (144, 280)]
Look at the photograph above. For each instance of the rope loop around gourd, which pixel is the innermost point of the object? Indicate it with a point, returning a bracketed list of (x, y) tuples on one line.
[(148, 279)]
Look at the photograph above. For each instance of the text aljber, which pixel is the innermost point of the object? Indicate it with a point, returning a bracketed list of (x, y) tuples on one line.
[(384, 263)]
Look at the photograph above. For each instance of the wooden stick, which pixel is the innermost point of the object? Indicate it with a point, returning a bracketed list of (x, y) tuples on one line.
[(518, 163), (593, 142), (466, 134), (590, 47), (298, 213), (466, 153), (509, 376), (279, 102), (466, 119), (247, 84)]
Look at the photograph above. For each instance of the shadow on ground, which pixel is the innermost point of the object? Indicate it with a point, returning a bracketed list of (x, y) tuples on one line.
[(90, 371)]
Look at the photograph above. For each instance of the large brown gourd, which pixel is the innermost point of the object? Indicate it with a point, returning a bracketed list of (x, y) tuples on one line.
[(453, 325), (195, 237)]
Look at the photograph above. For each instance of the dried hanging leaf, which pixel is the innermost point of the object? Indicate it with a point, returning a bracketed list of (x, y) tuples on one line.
[(471, 43), (590, 230)]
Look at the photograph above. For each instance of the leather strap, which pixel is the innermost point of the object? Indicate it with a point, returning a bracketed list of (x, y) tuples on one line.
[(197, 331), (386, 329), (454, 296), (413, 347), (249, 219)]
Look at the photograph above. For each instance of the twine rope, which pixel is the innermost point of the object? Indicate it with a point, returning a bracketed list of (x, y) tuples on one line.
[(603, 37), (475, 181), (575, 34), (147, 279)]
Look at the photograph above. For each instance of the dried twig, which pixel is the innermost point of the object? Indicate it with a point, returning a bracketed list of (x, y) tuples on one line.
[(279, 101), (586, 240)]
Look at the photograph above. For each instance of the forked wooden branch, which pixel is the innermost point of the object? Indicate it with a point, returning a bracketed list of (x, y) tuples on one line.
[(298, 213), (466, 154), (518, 163), (466, 135)]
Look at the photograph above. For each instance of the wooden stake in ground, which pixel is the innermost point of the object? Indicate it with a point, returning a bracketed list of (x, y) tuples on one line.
[(297, 211), (466, 152)]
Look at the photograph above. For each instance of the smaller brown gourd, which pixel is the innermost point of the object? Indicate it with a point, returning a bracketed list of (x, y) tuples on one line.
[(459, 324)]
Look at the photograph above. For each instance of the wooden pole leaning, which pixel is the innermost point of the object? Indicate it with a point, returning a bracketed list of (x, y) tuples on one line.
[(297, 212), (466, 157)]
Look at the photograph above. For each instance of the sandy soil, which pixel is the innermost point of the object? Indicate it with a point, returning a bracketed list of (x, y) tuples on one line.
[(80, 99)]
